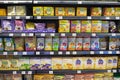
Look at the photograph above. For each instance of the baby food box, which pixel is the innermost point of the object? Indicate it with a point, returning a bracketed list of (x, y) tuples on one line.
[(86, 26), (100, 63), (57, 63), (89, 63), (78, 63), (96, 25), (67, 63), (35, 63)]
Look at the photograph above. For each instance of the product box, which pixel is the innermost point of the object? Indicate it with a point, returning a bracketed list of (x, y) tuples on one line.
[(71, 43), (78, 63), (96, 25), (14, 64), (109, 62), (40, 27), (19, 25), (112, 43), (24, 64), (30, 27), (30, 43), (115, 62), (100, 63), (17, 77), (67, 63), (38, 11), (35, 63), (89, 63), (112, 27), (1, 76), (86, 43), (11, 11), (55, 43), (59, 77), (75, 26), (103, 43), (48, 43), (46, 63), (3, 12), (89, 76), (95, 44), (79, 42), (108, 76), (5, 64), (27, 77), (48, 11), (64, 26), (105, 26), (40, 43), (117, 11), (50, 27), (81, 11), (59, 11), (63, 43), (44, 77), (20, 10), (70, 11), (9, 44), (79, 76), (69, 77), (57, 63), (99, 76), (109, 11), (8, 77), (86, 26), (96, 11), (1, 44)]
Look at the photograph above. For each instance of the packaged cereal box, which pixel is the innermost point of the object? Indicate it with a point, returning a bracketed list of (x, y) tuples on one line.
[(19, 25), (96, 25), (86, 26), (44, 77), (95, 44), (9, 44), (115, 62), (27, 77), (38, 11), (56, 43), (105, 26), (3, 12), (112, 43), (78, 63), (98, 76), (30, 43), (89, 63), (1, 44), (5, 64), (46, 63), (48, 43), (30, 27), (19, 43), (59, 77), (48, 11), (89, 76), (40, 43), (71, 43), (35, 63), (60, 11), (103, 43), (112, 27), (1, 76), (75, 26), (81, 11), (50, 27), (108, 76), (118, 44), (64, 26), (109, 62), (57, 63), (20, 10), (63, 43), (109, 11), (79, 77), (69, 77), (117, 11), (24, 64), (67, 63), (14, 65), (79, 43), (17, 77), (11, 11), (96, 11), (70, 11), (8, 77), (86, 43), (100, 63)]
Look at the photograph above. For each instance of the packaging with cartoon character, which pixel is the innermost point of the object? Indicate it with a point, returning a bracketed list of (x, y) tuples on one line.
[(44, 77), (109, 62), (40, 27), (75, 26), (20, 10), (38, 11), (19, 25), (98, 76), (70, 11), (46, 63), (48, 43), (69, 77), (17, 77), (100, 63), (30, 43), (115, 62), (24, 64), (64, 26), (57, 63), (71, 43), (86, 26), (96, 11), (40, 43), (96, 25), (63, 43), (103, 43), (79, 43), (108, 76), (78, 63), (60, 11), (1, 44), (95, 44), (8, 77), (109, 11), (5, 64), (89, 63), (89, 76), (55, 43), (117, 11), (11, 11), (48, 11), (27, 77), (105, 26), (67, 63), (59, 77), (112, 27), (35, 64), (112, 43), (81, 11), (79, 76), (30, 27), (14, 64), (9, 44), (86, 43), (50, 27)]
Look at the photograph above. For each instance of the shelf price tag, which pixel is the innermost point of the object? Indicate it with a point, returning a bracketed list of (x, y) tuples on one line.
[(5, 53), (89, 17), (101, 52), (37, 53), (31, 34), (15, 2), (35, 2), (109, 71), (52, 34), (93, 34), (14, 72), (107, 18), (29, 72), (117, 52), (11, 34), (113, 34), (68, 53), (51, 53), (110, 52), (42, 34), (5, 1), (79, 2), (15, 53), (50, 72), (17, 17), (73, 34), (27, 17), (74, 52), (9, 17), (24, 53), (62, 34), (114, 71), (38, 17), (23, 72), (60, 52), (92, 52), (78, 71), (60, 17), (23, 34), (117, 18)]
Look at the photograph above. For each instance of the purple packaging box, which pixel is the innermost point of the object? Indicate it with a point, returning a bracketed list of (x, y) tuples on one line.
[(40, 27)]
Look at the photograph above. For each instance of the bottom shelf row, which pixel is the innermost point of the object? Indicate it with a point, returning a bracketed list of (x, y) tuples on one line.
[(95, 76)]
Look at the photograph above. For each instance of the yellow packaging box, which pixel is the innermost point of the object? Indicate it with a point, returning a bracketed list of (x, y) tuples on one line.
[(48, 11), (78, 63), (81, 11), (59, 11), (57, 63), (67, 63), (38, 11), (64, 26), (96, 11), (96, 25), (70, 11), (89, 63)]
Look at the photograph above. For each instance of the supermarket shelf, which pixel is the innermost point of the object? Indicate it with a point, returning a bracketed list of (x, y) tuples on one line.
[(15, 1), (16, 17), (58, 53), (77, 2), (77, 17)]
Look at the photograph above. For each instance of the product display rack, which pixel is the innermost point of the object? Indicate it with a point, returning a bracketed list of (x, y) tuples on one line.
[(58, 53)]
